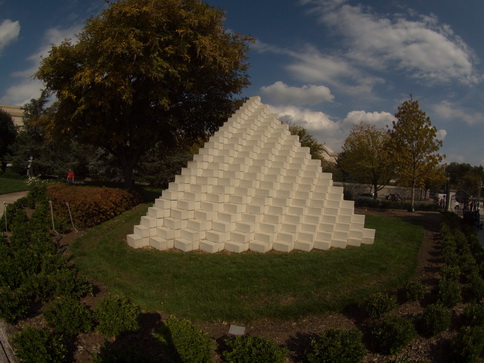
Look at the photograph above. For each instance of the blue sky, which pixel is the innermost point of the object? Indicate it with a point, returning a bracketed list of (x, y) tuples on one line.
[(323, 64)]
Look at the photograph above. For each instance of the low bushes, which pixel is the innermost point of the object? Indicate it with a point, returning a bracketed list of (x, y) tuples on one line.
[(435, 319), (115, 315), (68, 316), (248, 349), (42, 346), (337, 345), (392, 333), (90, 206), (185, 342), (376, 305)]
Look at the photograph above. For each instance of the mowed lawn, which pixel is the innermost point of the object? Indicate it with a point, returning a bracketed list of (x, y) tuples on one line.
[(8, 185), (248, 286)]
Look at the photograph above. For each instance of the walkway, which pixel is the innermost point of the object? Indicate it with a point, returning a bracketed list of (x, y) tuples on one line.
[(9, 199)]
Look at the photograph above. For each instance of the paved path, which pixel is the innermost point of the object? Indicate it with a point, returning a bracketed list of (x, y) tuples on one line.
[(9, 199)]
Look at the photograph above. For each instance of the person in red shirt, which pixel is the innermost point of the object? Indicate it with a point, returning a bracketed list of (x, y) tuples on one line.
[(70, 176)]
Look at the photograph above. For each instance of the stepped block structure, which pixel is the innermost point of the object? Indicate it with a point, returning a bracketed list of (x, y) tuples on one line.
[(252, 187)]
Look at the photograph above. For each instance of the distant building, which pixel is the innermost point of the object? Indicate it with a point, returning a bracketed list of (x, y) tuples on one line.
[(16, 112)]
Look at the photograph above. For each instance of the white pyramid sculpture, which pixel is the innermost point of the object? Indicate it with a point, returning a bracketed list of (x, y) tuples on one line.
[(252, 187)]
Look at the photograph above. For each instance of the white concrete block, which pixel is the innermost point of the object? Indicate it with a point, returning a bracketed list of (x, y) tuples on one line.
[(245, 227), (166, 233), (183, 245), (292, 218), (172, 223), (236, 247), (141, 231), (239, 199), (273, 218), (188, 205), (261, 247), (285, 237), (181, 214), (191, 235), (136, 241), (155, 212), (160, 244), (220, 226), (268, 228), (251, 218), (211, 247), (217, 198), (227, 217), (255, 209), (304, 245), (147, 221), (282, 246), (234, 208), (240, 237), (216, 236)]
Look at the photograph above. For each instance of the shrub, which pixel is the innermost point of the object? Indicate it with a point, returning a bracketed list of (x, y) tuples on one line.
[(392, 334), (90, 206), (68, 316), (435, 319), (68, 282), (254, 349), (185, 342), (469, 344), (378, 304), (337, 345), (449, 293), (34, 345), (116, 314), (450, 272), (415, 290), (473, 315), (14, 304), (474, 290)]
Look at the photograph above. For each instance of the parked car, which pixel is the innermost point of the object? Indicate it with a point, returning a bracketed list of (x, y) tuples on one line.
[(365, 196)]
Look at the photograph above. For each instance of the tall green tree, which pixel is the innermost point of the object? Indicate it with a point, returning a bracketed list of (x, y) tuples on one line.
[(146, 71), (367, 156), (8, 133), (50, 157), (415, 144)]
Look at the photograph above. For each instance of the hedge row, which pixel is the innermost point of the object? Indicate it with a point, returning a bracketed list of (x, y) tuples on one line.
[(90, 206)]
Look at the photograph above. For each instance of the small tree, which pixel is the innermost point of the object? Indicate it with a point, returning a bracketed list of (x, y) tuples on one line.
[(8, 133), (415, 145), (367, 157)]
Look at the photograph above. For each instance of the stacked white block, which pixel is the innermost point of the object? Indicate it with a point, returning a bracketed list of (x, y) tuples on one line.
[(252, 187)]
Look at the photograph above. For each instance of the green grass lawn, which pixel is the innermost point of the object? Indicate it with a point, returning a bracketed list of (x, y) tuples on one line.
[(245, 287), (12, 185)]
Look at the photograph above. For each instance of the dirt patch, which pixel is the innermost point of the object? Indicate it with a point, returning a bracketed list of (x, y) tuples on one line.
[(295, 335)]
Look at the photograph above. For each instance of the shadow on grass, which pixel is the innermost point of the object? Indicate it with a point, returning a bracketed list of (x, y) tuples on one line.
[(137, 346)]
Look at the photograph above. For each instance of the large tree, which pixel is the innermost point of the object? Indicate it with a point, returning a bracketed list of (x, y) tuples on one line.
[(8, 133), (415, 144), (50, 157), (367, 156), (146, 71)]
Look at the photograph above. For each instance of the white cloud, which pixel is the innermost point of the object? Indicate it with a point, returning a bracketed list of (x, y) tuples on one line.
[(378, 119), (22, 92), (9, 32), (428, 50), (26, 88), (320, 125), (281, 93), (452, 112), (441, 134)]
